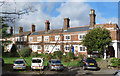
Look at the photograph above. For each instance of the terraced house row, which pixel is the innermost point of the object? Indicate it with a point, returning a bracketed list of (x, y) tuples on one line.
[(66, 39)]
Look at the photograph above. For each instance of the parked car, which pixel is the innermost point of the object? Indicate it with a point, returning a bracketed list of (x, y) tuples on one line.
[(117, 73), (55, 64), (89, 63), (19, 64), (1, 62), (37, 63)]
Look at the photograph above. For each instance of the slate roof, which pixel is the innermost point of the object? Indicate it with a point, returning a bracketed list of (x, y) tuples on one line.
[(78, 29), (49, 32), (75, 29), (23, 34)]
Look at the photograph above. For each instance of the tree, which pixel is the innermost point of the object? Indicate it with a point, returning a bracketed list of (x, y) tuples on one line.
[(3, 29), (97, 40), (3, 32), (58, 54), (25, 52)]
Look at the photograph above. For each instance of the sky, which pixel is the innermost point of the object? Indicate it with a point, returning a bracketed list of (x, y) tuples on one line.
[(55, 12)]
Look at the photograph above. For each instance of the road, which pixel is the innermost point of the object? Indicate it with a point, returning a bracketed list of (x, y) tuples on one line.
[(70, 71)]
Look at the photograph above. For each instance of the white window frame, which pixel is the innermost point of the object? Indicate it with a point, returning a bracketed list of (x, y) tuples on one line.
[(30, 38), (25, 37), (46, 38), (34, 48), (82, 48), (57, 37), (82, 36), (68, 46), (39, 38), (57, 48), (38, 46), (66, 36)]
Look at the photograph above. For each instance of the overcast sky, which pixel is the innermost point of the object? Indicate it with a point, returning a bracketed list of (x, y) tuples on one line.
[(55, 12)]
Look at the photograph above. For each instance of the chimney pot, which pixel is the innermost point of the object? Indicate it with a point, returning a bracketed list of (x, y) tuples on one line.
[(47, 25), (32, 28), (92, 18), (20, 29), (66, 23), (11, 30)]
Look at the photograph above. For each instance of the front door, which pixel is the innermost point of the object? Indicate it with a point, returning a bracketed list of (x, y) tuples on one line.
[(111, 51)]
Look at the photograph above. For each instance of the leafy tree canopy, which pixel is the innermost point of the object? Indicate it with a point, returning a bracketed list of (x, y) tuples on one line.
[(3, 29), (97, 39)]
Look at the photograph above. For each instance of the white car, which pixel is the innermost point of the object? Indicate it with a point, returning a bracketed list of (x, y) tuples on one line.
[(37, 63), (19, 64)]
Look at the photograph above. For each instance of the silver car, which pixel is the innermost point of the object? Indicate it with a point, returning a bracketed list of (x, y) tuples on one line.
[(19, 64), (55, 64)]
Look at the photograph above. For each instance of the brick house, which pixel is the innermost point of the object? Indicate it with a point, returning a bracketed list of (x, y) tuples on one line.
[(66, 39)]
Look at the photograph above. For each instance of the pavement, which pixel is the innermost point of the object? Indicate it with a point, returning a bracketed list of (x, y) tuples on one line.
[(71, 71)]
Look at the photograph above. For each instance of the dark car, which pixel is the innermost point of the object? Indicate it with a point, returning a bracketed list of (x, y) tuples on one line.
[(89, 63), (1, 61)]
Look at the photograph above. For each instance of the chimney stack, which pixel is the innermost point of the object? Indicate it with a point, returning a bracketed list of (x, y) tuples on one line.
[(66, 23), (20, 30), (32, 28), (11, 30), (47, 25), (92, 18)]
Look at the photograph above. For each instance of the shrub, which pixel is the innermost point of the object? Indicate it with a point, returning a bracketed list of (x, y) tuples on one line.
[(71, 55), (25, 52), (34, 54), (40, 55), (12, 53), (58, 54), (115, 62)]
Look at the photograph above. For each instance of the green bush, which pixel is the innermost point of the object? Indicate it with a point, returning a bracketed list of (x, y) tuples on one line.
[(25, 52), (12, 53), (34, 54), (115, 62), (58, 54), (71, 55)]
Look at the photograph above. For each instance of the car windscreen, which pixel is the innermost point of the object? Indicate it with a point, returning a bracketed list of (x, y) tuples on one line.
[(36, 61), (90, 61), (58, 62), (19, 62)]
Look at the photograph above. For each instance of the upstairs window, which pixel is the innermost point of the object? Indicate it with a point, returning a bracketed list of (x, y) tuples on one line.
[(46, 38), (30, 38), (80, 37), (39, 38), (57, 37), (25, 38), (67, 37)]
